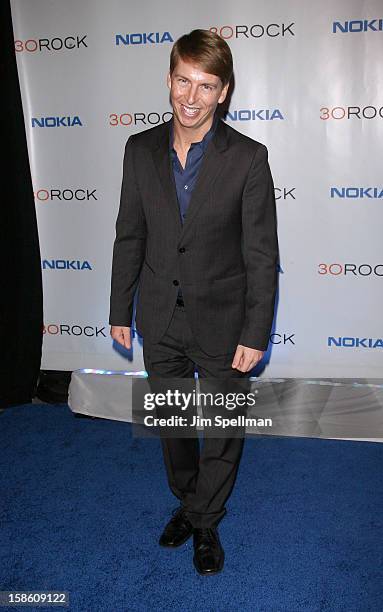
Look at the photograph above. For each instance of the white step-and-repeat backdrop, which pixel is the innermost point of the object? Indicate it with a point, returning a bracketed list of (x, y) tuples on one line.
[(308, 84)]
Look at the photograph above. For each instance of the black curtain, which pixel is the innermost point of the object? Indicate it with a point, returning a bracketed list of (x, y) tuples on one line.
[(21, 323)]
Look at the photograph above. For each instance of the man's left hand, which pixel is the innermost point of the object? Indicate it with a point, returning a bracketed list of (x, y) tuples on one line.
[(246, 358)]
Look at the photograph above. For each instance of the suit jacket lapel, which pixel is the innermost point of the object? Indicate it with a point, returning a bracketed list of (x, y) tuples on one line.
[(162, 163), (210, 168)]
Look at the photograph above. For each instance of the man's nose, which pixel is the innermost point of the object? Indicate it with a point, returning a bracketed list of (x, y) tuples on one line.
[(192, 94)]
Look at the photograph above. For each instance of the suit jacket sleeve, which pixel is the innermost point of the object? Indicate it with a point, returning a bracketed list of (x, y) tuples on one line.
[(129, 245), (260, 252)]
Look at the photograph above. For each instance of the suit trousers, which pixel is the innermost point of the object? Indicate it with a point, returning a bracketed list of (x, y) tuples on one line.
[(200, 476)]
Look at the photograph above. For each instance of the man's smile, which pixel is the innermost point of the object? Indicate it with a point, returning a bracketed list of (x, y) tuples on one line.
[(190, 111)]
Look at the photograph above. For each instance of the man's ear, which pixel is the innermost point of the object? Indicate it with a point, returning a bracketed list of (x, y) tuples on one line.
[(169, 80), (223, 95)]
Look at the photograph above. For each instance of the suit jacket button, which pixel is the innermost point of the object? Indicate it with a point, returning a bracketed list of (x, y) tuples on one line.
[(182, 250), (175, 282)]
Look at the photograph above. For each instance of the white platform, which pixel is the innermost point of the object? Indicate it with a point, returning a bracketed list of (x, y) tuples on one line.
[(337, 409)]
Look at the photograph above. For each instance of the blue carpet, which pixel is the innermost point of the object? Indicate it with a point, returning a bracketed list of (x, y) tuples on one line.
[(83, 504)]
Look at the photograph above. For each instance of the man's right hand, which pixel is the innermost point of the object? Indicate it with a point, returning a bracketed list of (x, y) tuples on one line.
[(121, 335)]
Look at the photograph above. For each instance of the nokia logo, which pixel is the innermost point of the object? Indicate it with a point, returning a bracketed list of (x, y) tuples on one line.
[(65, 264), (356, 192), (56, 121), (358, 25), (347, 342), (151, 38), (264, 114)]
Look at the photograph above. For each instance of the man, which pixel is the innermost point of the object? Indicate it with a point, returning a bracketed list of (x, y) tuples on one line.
[(197, 229)]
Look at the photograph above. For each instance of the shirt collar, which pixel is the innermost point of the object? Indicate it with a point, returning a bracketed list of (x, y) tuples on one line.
[(202, 143)]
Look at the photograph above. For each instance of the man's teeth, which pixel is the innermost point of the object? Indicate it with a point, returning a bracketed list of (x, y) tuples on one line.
[(190, 111)]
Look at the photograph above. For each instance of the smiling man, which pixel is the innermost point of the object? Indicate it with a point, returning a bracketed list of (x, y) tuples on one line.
[(196, 229)]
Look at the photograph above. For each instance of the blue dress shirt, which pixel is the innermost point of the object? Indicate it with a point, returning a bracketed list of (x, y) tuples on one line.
[(186, 178)]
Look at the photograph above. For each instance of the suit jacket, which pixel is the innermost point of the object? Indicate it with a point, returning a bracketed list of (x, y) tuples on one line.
[(224, 256)]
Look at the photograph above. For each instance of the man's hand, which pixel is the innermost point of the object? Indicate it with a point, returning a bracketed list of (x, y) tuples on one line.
[(246, 358), (121, 335)]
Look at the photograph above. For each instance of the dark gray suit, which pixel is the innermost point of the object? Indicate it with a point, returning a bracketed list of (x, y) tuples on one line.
[(224, 259), (224, 256)]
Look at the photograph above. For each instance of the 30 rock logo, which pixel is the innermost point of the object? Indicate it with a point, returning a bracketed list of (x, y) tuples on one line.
[(350, 112), (344, 269), (64, 329), (51, 44), (65, 195), (283, 193), (132, 119), (258, 30), (282, 338)]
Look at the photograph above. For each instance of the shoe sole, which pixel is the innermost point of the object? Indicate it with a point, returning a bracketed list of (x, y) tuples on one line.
[(202, 573)]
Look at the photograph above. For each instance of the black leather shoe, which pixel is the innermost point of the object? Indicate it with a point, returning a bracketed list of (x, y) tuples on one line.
[(208, 553), (177, 531)]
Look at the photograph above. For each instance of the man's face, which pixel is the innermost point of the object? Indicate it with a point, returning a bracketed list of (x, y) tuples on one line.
[(194, 94)]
